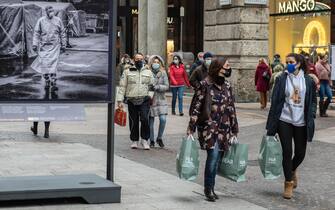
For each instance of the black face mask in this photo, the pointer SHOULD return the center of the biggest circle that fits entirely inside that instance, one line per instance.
(139, 64)
(227, 72)
(219, 80)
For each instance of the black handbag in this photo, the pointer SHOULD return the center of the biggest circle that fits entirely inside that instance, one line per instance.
(266, 76)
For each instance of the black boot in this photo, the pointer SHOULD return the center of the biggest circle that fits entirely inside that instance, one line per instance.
(152, 144)
(208, 193)
(34, 128)
(215, 195)
(46, 131)
(321, 108)
(325, 108)
(160, 143)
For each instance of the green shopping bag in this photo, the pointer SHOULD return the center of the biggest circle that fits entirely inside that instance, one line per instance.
(234, 163)
(188, 159)
(270, 157)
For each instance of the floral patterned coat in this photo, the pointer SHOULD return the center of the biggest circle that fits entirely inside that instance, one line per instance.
(222, 123)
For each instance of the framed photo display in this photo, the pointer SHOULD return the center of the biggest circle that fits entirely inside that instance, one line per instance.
(55, 52)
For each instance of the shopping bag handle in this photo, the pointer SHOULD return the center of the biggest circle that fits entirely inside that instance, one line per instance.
(190, 137)
(276, 137)
(233, 140)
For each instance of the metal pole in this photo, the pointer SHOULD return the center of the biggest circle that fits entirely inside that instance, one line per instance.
(182, 14)
(181, 34)
(112, 87)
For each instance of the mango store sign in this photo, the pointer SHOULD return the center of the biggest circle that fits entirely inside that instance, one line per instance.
(296, 6)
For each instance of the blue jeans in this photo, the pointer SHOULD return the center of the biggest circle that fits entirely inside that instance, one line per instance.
(214, 157)
(162, 123)
(325, 90)
(177, 91)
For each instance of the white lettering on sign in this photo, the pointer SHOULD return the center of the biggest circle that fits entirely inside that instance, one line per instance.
(170, 20)
(296, 6)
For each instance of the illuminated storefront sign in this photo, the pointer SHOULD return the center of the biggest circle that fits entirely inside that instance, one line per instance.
(296, 6)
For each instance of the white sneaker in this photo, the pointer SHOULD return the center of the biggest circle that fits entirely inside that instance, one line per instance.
(134, 145)
(145, 145)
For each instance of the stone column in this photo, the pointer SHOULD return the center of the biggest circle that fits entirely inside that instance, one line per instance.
(153, 27)
(157, 27)
(142, 26)
(239, 32)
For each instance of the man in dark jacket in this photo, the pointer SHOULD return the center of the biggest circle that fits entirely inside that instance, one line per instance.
(198, 62)
(201, 72)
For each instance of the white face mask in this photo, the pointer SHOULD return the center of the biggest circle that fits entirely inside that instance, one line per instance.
(176, 61)
(156, 66)
(208, 63)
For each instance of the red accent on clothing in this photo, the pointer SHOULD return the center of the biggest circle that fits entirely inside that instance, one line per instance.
(261, 84)
(178, 76)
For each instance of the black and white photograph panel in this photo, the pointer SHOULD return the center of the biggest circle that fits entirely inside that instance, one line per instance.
(54, 50)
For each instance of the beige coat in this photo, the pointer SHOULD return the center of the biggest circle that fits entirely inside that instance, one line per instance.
(135, 84)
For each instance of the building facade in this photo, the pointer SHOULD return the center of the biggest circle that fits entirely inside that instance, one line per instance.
(242, 30)
(247, 30)
(155, 26)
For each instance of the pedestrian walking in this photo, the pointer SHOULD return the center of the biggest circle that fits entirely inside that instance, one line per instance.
(178, 80)
(199, 74)
(49, 40)
(292, 114)
(215, 109)
(276, 62)
(311, 71)
(34, 129)
(124, 63)
(198, 62)
(324, 74)
(159, 105)
(135, 85)
(277, 68)
(262, 81)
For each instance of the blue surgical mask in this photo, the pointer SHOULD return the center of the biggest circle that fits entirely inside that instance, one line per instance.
(156, 66)
(291, 68)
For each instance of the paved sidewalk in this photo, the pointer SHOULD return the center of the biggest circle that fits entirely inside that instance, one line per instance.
(142, 187)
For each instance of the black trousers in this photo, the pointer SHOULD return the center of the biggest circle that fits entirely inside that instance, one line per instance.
(287, 132)
(137, 114)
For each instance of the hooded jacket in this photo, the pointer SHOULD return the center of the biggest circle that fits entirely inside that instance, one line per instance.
(159, 105)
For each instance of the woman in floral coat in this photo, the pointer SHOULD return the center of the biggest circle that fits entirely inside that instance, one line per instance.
(216, 98)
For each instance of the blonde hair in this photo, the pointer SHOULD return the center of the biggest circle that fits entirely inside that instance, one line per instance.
(261, 60)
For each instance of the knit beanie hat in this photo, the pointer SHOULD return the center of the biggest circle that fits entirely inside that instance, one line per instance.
(208, 55)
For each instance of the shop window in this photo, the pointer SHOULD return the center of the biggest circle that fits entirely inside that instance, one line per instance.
(307, 31)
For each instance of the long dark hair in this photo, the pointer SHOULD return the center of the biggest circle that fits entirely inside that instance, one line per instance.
(300, 59)
(215, 67)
